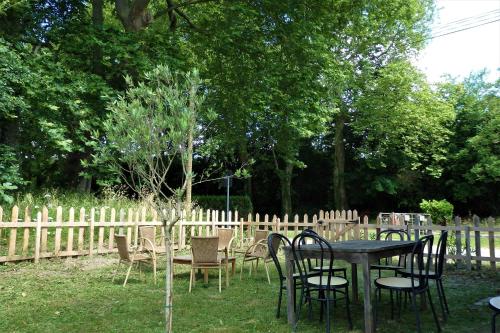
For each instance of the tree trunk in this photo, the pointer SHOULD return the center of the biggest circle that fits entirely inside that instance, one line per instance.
(244, 159)
(189, 173)
(286, 188)
(134, 15)
(98, 22)
(169, 273)
(339, 192)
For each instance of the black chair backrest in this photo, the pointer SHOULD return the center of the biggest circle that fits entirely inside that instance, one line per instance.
(274, 241)
(301, 245)
(394, 235)
(441, 251)
(420, 260)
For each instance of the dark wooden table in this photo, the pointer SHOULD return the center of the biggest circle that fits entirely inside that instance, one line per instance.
(364, 252)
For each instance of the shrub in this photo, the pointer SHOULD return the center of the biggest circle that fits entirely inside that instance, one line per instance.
(241, 203)
(441, 211)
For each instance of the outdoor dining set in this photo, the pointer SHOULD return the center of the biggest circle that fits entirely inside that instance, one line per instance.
(309, 271)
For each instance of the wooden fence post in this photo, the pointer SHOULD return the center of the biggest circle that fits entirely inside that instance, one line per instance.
(491, 238)
(467, 248)
(458, 238)
(365, 227)
(81, 230)
(59, 219)
(477, 241)
(417, 230)
(45, 220)
(69, 244)
(26, 237)
(38, 236)
(13, 232)
(91, 232)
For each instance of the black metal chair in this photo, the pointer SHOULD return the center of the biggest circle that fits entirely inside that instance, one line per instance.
(417, 282)
(274, 241)
(322, 282)
(495, 306)
(316, 268)
(437, 273)
(386, 265)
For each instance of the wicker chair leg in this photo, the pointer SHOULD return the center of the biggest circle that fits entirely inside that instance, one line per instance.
(191, 278)
(267, 272)
(128, 273)
(227, 274)
(241, 270)
(154, 271)
(220, 279)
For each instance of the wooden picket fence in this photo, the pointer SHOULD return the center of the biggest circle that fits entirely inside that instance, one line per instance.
(64, 234)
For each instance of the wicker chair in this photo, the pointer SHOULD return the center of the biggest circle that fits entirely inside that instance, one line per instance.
(226, 238)
(259, 236)
(258, 250)
(205, 256)
(134, 258)
(149, 241)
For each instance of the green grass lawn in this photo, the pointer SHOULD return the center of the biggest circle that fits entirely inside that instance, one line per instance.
(77, 295)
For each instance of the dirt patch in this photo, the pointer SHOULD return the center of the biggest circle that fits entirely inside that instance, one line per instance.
(89, 264)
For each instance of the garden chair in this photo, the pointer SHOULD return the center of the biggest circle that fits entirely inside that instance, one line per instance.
(259, 236)
(257, 251)
(205, 256)
(316, 268)
(318, 285)
(149, 241)
(417, 282)
(226, 238)
(274, 242)
(132, 258)
(437, 273)
(386, 264)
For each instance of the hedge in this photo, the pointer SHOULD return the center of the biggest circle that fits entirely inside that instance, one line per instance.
(241, 203)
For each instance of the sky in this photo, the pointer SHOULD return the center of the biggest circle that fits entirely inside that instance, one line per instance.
(462, 52)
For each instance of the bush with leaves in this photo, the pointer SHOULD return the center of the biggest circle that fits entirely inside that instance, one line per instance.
(441, 211)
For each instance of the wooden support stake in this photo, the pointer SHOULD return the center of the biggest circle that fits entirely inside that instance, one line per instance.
(458, 238)
(477, 241)
(491, 241)
(467, 248)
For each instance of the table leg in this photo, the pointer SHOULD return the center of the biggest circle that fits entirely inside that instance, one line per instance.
(290, 291)
(369, 326)
(354, 279)
(205, 275)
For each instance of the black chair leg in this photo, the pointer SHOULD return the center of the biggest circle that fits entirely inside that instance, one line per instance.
(415, 309)
(327, 315)
(279, 300)
(375, 310)
(440, 296)
(297, 313)
(444, 296)
(348, 309)
(392, 305)
(309, 307)
(433, 310)
(493, 322)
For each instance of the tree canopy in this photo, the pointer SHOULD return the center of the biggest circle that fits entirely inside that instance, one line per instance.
(318, 100)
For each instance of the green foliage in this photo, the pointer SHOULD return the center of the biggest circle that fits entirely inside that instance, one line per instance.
(10, 178)
(240, 203)
(441, 211)
(147, 130)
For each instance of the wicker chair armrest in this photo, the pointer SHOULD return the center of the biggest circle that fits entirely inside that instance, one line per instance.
(152, 252)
